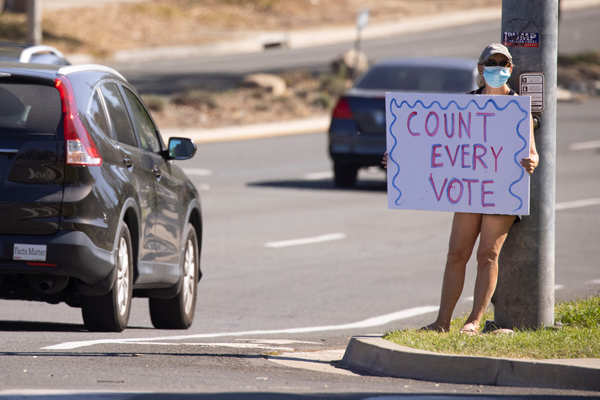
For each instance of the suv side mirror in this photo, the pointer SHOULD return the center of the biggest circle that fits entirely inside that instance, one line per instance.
(180, 149)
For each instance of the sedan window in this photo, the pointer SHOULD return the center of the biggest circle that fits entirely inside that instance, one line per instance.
(417, 79)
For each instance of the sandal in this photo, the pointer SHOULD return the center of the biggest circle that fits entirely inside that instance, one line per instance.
(470, 329)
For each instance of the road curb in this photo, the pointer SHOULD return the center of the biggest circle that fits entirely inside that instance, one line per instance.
(318, 124)
(382, 357)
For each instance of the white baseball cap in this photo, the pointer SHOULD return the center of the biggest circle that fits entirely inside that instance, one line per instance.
(494, 48)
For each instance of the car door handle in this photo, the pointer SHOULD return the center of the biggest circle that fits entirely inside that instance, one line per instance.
(127, 161)
(156, 171)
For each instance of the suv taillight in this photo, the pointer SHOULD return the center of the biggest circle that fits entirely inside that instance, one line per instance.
(81, 149)
(342, 110)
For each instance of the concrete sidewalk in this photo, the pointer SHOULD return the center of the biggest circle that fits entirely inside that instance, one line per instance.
(378, 356)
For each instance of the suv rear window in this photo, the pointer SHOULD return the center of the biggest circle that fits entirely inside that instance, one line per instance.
(417, 79)
(28, 108)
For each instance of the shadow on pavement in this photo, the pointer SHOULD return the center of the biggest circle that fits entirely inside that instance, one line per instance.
(365, 185)
(31, 326)
(168, 84)
(53, 354)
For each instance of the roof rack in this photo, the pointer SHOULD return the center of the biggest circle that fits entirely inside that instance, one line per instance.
(29, 52)
(89, 67)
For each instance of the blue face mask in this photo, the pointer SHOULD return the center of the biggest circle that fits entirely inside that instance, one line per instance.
(496, 76)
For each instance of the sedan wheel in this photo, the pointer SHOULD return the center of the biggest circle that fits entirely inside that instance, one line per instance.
(110, 313)
(178, 312)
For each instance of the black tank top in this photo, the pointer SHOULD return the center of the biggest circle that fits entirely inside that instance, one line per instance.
(480, 91)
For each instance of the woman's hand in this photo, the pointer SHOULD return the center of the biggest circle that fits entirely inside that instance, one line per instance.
(384, 160)
(530, 163)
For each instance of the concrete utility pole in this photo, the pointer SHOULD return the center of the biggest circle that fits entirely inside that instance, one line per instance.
(525, 294)
(34, 22)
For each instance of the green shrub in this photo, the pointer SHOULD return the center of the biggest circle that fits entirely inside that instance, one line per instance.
(581, 314)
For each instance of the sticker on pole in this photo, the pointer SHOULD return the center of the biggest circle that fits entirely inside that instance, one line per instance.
(521, 39)
(458, 152)
(532, 84)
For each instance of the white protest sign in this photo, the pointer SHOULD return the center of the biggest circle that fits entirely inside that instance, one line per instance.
(458, 152)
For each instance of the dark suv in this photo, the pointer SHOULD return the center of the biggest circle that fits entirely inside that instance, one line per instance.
(93, 211)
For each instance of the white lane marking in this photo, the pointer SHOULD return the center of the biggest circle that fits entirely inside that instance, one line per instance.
(203, 187)
(366, 323)
(590, 145)
(278, 341)
(594, 282)
(197, 171)
(318, 176)
(578, 203)
(559, 287)
(310, 240)
(470, 298)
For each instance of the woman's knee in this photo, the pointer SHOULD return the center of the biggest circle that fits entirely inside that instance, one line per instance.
(487, 256)
(459, 256)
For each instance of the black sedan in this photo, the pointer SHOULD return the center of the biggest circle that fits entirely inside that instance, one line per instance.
(357, 129)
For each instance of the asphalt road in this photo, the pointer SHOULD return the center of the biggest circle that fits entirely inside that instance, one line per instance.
(254, 298)
(578, 32)
(267, 307)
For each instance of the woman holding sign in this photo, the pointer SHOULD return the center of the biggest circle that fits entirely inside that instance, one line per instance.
(495, 67)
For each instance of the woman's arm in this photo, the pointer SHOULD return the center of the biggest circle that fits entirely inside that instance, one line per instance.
(530, 163)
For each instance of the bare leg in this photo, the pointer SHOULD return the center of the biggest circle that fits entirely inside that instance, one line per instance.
(494, 230)
(465, 228)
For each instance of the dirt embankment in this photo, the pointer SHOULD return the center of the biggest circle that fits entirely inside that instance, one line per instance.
(101, 31)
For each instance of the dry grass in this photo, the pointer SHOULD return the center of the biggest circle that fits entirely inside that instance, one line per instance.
(101, 31)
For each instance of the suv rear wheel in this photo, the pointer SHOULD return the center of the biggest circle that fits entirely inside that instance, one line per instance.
(110, 312)
(344, 175)
(178, 312)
